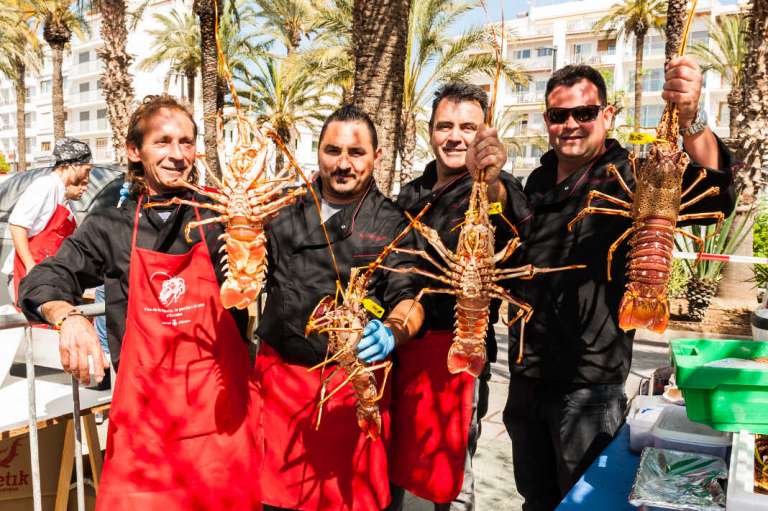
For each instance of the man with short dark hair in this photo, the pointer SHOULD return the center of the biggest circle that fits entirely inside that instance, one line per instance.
(43, 215)
(566, 401)
(332, 466)
(436, 414)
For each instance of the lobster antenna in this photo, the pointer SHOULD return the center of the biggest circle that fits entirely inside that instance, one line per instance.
(384, 253)
(497, 50)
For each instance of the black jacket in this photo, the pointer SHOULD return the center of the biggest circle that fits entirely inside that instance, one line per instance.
(301, 273)
(574, 335)
(448, 205)
(99, 252)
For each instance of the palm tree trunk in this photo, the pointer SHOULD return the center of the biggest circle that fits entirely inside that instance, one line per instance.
(166, 82)
(752, 120)
(734, 103)
(190, 75)
(285, 136)
(21, 128)
(380, 30)
(57, 92)
(408, 149)
(639, 45)
(676, 15)
(210, 80)
(116, 79)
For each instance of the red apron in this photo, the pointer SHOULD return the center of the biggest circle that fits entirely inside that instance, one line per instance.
(45, 243)
(334, 468)
(431, 415)
(182, 432)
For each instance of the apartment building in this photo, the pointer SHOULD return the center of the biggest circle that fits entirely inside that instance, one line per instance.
(553, 36)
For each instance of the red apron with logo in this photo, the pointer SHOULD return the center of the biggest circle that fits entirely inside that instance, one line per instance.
(182, 429)
(431, 414)
(333, 468)
(45, 243)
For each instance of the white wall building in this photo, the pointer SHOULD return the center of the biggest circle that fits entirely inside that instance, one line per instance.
(562, 34)
(84, 103)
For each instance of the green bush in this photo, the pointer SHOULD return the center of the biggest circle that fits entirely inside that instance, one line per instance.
(678, 279)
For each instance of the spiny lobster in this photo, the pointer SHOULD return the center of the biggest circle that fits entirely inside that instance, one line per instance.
(472, 277)
(655, 209)
(344, 323)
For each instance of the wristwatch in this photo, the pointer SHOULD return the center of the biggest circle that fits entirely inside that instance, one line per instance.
(698, 125)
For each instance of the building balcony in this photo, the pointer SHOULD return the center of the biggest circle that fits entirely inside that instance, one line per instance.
(535, 63)
(525, 98)
(92, 126)
(91, 96)
(580, 26)
(593, 59)
(86, 68)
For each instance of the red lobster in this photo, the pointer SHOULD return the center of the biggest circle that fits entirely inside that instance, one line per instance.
(655, 211)
(344, 324)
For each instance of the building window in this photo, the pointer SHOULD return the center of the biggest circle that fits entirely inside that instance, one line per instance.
(543, 52)
(45, 147)
(85, 116)
(101, 146)
(315, 144)
(723, 115)
(99, 84)
(607, 46)
(653, 80)
(83, 57)
(85, 87)
(45, 87)
(582, 49)
(29, 118)
(30, 92)
(522, 54)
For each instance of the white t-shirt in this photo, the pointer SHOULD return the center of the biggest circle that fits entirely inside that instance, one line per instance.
(35, 208)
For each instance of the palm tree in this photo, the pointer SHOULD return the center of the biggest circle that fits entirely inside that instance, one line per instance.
(208, 12)
(281, 98)
(287, 21)
(752, 120)
(676, 15)
(20, 53)
(116, 80)
(177, 41)
(60, 21)
(634, 17)
(726, 56)
(380, 31)
(433, 56)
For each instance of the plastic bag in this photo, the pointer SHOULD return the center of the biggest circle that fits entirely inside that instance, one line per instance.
(669, 479)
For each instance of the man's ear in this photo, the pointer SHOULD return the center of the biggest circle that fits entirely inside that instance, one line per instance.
(132, 152)
(608, 113)
(377, 157)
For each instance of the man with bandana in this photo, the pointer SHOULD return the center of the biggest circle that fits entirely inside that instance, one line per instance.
(43, 216)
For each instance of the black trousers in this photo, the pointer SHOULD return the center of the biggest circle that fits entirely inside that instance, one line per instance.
(557, 431)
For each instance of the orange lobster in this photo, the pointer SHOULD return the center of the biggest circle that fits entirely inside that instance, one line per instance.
(344, 324)
(655, 211)
(472, 277)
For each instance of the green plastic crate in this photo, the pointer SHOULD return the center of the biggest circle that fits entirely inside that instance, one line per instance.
(727, 399)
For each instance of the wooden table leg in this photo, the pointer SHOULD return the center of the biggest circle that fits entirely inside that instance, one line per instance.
(65, 470)
(94, 449)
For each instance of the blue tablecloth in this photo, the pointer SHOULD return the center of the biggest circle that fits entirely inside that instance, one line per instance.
(608, 481)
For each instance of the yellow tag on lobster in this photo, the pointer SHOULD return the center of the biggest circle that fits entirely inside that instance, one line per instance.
(641, 138)
(373, 307)
(494, 208)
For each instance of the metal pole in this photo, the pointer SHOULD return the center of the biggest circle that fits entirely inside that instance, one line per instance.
(554, 58)
(78, 444)
(37, 498)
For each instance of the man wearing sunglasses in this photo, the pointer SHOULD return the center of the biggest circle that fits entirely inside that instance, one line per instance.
(567, 400)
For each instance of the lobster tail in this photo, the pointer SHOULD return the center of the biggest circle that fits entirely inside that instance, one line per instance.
(460, 359)
(246, 265)
(638, 311)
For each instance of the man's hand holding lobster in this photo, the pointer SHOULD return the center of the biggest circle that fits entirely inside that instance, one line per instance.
(488, 152)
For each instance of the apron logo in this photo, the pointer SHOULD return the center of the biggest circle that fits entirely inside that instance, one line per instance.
(173, 288)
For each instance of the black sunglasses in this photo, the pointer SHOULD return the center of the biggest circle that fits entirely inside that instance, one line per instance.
(586, 113)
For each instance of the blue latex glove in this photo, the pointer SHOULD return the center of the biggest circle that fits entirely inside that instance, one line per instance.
(378, 341)
(125, 191)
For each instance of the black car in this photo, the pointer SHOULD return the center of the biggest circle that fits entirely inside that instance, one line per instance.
(103, 192)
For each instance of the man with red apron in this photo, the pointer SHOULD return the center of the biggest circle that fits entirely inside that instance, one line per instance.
(435, 414)
(184, 424)
(43, 217)
(333, 465)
